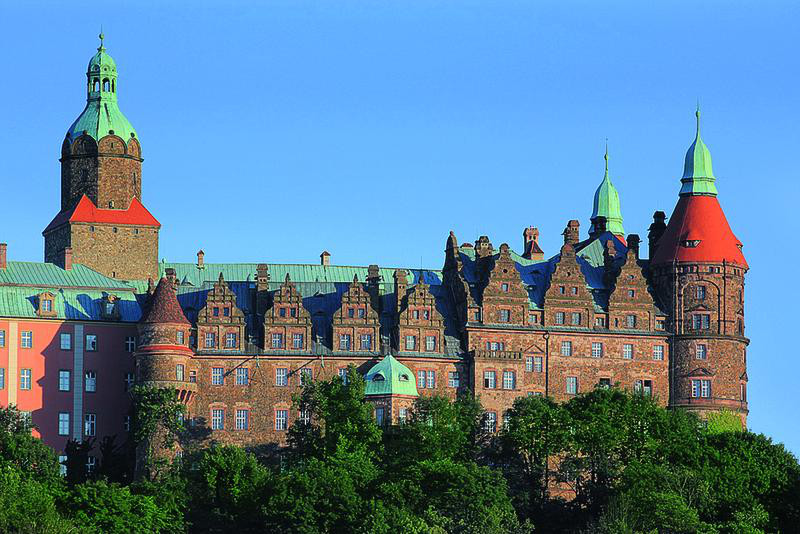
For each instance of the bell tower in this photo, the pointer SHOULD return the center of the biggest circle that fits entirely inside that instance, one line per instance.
(102, 218)
(698, 270)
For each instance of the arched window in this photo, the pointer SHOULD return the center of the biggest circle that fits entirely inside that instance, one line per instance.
(96, 85)
(106, 85)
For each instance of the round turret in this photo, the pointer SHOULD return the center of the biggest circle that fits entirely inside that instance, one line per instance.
(606, 204)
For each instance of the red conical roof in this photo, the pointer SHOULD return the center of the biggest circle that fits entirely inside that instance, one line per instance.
(698, 221)
(163, 306)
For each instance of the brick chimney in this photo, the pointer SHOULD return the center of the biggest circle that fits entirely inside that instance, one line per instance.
(572, 233)
(68, 259)
(3, 251)
(655, 231)
(633, 244)
(170, 275)
(200, 256)
(530, 241)
(325, 258)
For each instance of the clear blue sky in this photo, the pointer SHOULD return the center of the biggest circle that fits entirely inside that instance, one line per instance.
(274, 130)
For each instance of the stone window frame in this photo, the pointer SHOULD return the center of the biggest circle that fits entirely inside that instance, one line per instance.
(277, 340)
(430, 347)
(701, 388)
(628, 351)
(490, 379)
(62, 337)
(576, 387)
(295, 344)
(213, 409)
(453, 379)
(361, 345)
(282, 377)
(566, 344)
(538, 364)
(513, 375)
(281, 419)
(46, 304)
(241, 410)
(597, 348)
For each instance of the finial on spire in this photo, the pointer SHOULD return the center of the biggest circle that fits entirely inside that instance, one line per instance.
(697, 114)
(101, 36)
(606, 156)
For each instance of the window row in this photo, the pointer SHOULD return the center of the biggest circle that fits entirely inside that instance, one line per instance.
(279, 341)
(430, 343)
(598, 350)
(642, 387)
(64, 380)
(365, 342)
(490, 380)
(89, 424)
(231, 340)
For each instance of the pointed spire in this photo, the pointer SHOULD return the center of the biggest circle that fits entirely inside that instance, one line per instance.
(606, 204)
(287, 280)
(698, 176)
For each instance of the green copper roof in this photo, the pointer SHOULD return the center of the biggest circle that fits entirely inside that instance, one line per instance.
(698, 177)
(101, 115)
(28, 273)
(390, 377)
(70, 304)
(606, 204)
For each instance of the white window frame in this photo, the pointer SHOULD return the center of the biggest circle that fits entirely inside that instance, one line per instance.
(453, 380)
(91, 343)
(90, 381)
(66, 341)
(231, 340)
(25, 379)
(430, 343)
(130, 378)
(627, 351)
(90, 424)
(218, 419)
(597, 349)
(489, 380)
(130, 344)
(658, 352)
(242, 376)
(411, 342)
(26, 339)
(217, 376)
(528, 364)
(242, 419)
(572, 385)
(509, 380)
(297, 341)
(538, 364)
(566, 348)
(281, 420)
(64, 380)
(281, 376)
(63, 423)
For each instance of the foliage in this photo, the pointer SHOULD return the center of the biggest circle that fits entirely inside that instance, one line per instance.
(27, 505)
(20, 450)
(157, 423)
(723, 421)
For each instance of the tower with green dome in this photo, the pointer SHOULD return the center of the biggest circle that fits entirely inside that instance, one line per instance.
(101, 186)
(606, 204)
(698, 176)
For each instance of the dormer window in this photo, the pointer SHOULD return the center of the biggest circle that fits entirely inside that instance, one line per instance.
(690, 243)
(378, 378)
(47, 305)
(404, 378)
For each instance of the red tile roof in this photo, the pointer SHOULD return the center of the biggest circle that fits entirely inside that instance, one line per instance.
(85, 211)
(163, 306)
(699, 218)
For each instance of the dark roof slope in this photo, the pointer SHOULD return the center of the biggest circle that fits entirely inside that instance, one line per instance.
(163, 306)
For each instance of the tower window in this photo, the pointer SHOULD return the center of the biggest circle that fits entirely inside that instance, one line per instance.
(700, 292)
(106, 85)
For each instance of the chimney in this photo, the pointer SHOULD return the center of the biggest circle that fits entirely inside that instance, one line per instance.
(3, 250)
(655, 231)
(200, 256)
(572, 232)
(633, 244)
(68, 259)
(483, 247)
(531, 249)
(325, 258)
(169, 272)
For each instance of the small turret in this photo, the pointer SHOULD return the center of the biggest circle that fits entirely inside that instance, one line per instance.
(607, 205)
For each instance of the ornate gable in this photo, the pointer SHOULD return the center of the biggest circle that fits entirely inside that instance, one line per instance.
(420, 326)
(505, 299)
(356, 325)
(287, 323)
(567, 300)
(454, 279)
(630, 304)
(220, 324)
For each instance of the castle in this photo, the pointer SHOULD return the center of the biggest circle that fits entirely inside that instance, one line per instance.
(236, 341)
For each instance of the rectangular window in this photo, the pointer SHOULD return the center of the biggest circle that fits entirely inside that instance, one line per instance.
(600, 321)
(351, 312)
(217, 376)
(277, 341)
(489, 379)
(658, 352)
(282, 312)
(242, 419)
(63, 424)
(661, 324)
(343, 375)
(126, 424)
(559, 317)
(226, 312)
(2, 338)
(411, 342)
(89, 424)
(91, 464)
(242, 376)
(701, 388)
(281, 376)
(130, 344)
(379, 415)
(2, 378)
(216, 311)
(366, 341)
(305, 376)
(597, 350)
(180, 337)
(509, 380)
(91, 342)
(193, 377)
(504, 288)
(505, 316)
(605, 383)
(490, 422)
(26, 339)
(529, 363)
(231, 340)
(179, 368)
(576, 318)
(403, 417)
(62, 465)
(217, 419)
(701, 293)
(426, 314)
(66, 341)
(281, 419)
(701, 351)
(344, 342)
(422, 377)
(25, 379)
(477, 315)
(538, 364)
(566, 348)
(453, 379)
(362, 313)
(91, 381)
(572, 385)
(643, 387)
(430, 343)
(47, 305)
(297, 341)
(630, 321)
(627, 351)
(64, 380)
(304, 416)
(431, 379)
(210, 340)
(293, 312)
(701, 321)
(129, 378)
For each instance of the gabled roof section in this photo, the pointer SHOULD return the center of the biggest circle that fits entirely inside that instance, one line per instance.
(69, 303)
(86, 212)
(163, 306)
(390, 377)
(39, 274)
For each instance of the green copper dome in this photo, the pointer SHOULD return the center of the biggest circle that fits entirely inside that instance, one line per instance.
(390, 377)
(101, 116)
(698, 177)
(606, 204)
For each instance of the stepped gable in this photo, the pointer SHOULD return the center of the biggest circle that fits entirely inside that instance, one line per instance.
(163, 306)
(504, 292)
(568, 291)
(629, 290)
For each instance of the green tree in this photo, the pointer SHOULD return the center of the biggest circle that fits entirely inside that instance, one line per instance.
(157, 424)
(19, 449)
(28, 505)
